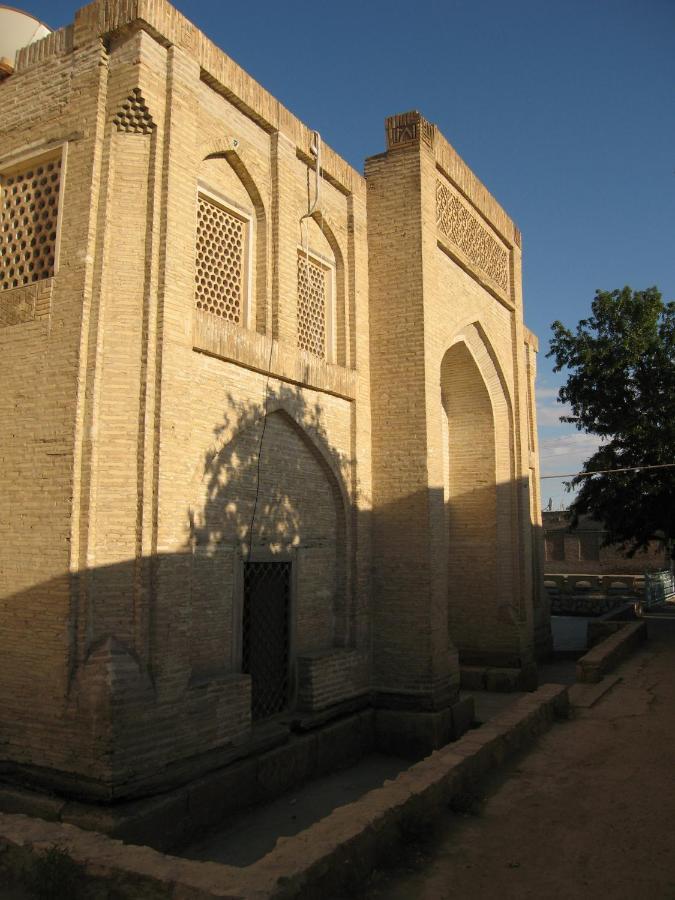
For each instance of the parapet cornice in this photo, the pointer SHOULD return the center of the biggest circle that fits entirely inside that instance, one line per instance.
(410, 128)
(531, 338)
(103, 18)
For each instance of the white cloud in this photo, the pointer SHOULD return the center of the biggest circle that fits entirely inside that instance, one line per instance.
(576, 442)
(566, 453)
(545, 393)
(550, 415)
(548, 408)
(562, 449)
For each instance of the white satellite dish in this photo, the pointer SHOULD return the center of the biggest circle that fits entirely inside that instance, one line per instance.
(18, 29)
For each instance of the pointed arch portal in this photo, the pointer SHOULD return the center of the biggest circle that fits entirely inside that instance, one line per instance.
(471, 497)
(480, 503)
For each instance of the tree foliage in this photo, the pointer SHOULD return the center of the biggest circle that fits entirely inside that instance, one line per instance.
(620, 386)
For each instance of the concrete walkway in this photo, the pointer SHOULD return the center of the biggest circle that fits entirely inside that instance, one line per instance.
(588, 813)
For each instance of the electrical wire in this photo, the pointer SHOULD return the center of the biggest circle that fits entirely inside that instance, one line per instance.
(312, 207)
(610, 471)
(260, 446)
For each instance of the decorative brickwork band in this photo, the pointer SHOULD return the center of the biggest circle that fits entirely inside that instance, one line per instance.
(409, 128)
(134, 116)
(463, 229)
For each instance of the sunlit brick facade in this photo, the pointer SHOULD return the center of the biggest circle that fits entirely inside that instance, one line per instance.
(218, 400)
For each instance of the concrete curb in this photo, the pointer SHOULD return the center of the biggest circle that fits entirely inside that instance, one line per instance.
(331, 855)
(585, 695)
(608, 653)
(171, 818)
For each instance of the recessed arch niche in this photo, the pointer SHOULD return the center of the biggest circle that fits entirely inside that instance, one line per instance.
(477, 446)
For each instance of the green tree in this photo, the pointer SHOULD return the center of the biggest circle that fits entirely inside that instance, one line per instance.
(620, 386)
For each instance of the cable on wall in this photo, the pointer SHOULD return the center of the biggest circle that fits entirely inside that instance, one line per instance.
(260, 446)
(312, 207)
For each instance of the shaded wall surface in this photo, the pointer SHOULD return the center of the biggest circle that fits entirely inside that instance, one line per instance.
(209, 372)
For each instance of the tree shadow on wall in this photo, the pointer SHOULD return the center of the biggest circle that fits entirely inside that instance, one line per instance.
(90, 654)
(271, 477)
(273, 486)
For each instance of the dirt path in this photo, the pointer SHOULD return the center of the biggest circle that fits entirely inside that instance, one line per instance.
(588, 813)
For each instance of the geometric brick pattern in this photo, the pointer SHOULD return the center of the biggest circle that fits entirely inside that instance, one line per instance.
(465, 231)
(134, 116)
(28, 216)
(311, 306)
(221, 239)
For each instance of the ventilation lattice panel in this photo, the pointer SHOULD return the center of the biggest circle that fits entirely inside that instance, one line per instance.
(221, 242)
(28, 220)
(312, 284)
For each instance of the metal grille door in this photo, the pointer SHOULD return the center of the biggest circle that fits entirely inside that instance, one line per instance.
(266, 632)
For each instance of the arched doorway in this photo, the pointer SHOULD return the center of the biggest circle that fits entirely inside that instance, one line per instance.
(272, 586)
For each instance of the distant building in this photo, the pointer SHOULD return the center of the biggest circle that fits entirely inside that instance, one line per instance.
(581, 550)
(582, 576)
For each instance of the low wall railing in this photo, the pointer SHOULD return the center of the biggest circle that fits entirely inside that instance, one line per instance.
(659, 588)
(593, 595)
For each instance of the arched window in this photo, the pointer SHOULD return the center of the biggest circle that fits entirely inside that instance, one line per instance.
(230, 265)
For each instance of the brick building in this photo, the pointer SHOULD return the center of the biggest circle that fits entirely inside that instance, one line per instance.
(267, 458)
(583, 576)
(582, 550)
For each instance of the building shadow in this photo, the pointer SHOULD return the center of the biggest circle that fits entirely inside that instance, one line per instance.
(110, 699)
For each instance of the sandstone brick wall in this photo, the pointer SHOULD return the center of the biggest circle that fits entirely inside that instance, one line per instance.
(149, 414)
(49, 106)
(326, 678)
(445, 271)
(542, 607)
(137, 417)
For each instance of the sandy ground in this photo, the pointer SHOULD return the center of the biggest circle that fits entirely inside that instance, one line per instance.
(586, 813)
(589, 812)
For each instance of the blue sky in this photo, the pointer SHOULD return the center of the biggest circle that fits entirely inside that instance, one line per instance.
(565, 110)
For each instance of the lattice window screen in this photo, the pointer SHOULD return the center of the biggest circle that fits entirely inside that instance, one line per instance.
(221, 258)
(313, 288)
(28, 223)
